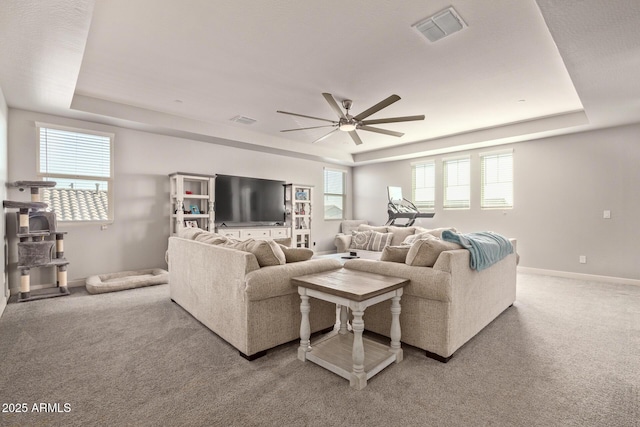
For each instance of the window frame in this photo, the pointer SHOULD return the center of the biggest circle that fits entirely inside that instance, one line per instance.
(421, 205)
(446, 202)
(343, 195)
(483, 156)
(53, 176)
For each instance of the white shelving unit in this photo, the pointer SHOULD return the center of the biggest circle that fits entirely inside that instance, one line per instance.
(191, 198)
(298, 205)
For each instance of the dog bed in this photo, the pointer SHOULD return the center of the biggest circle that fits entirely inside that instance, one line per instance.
(126, 280)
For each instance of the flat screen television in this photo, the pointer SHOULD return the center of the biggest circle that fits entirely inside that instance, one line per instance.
(242, 200)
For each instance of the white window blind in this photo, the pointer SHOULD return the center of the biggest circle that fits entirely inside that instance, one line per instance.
(423, 184)
(334, 194)
(80, 162)
(497, 180)
(457, 178)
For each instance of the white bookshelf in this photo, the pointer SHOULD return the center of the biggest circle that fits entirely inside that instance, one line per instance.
(298, 206)
(191, 198)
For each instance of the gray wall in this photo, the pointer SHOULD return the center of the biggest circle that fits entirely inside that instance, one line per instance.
(4, 285)
(562, 186)
(138, 237)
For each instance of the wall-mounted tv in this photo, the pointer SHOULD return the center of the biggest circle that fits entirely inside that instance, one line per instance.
(244, 201)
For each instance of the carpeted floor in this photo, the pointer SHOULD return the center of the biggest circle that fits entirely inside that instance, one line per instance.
(566, 354)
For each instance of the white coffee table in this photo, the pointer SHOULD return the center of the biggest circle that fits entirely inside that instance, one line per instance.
(350, 355)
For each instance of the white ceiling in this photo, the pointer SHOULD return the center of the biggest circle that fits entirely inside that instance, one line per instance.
(521, 70)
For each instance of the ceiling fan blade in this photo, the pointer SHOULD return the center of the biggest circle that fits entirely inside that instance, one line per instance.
(323, 137)
(355, 137)
(392, 120)
(379, 106)
(308, 117)
(378, 130)
(334, 105)
(314, 127)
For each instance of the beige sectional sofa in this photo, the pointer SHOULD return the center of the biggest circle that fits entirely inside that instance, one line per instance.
(251, 307)
(446, 303)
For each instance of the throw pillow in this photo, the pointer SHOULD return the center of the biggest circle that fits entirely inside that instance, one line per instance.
(410, 240)
(360, 239)
(189, 232)
(395, 253)
(296, 254)
(378, 241)
(436, 231)
(267, 252)
(211, 238)
(400, 233)
(424, 253)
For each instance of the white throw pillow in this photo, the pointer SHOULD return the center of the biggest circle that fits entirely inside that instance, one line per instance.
(378, 241)
(360, 239)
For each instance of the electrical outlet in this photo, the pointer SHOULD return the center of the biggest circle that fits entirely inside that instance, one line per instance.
(607, 214)
(103, 227)
(583, 259)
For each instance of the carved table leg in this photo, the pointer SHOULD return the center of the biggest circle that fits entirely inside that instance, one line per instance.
(343, 320)
(305, 327)
(395, 328)
(358, 375)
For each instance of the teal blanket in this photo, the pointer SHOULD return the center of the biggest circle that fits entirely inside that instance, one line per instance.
(486, 247)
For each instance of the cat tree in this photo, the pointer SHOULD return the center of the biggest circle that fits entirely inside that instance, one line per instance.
(37, 232)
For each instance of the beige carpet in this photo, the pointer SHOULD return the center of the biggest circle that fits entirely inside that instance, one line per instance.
(566, 354)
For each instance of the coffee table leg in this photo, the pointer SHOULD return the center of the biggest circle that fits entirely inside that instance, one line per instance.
(358, 375)
(305, 327)
(395, 329)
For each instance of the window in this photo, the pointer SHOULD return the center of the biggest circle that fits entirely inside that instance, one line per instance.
(80, 162)
(423, 184)
(497, 180)
(334, 194)
(457, 187)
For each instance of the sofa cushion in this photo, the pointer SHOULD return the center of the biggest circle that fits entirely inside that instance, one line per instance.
(296, 254)
(267, 252)
(360, 239)
(378, 241)
(425, 252)
(346, 227)
(379, 229)
(395, 253)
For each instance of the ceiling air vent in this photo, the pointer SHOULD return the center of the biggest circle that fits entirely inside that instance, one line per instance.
(243, 120)
(440, 25)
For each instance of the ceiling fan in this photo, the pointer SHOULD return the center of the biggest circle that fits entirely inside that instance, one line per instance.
(348, 123)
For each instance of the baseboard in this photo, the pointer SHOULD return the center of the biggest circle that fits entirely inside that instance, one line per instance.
(3, 304)
(579, 276)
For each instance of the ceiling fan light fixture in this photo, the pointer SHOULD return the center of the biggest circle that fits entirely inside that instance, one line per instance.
(347, 127)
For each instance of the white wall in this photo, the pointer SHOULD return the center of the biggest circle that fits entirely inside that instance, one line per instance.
(138, 237)
(4, 285)
(562, 186)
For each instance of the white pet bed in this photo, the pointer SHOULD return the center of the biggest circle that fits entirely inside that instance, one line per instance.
(126, 280)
